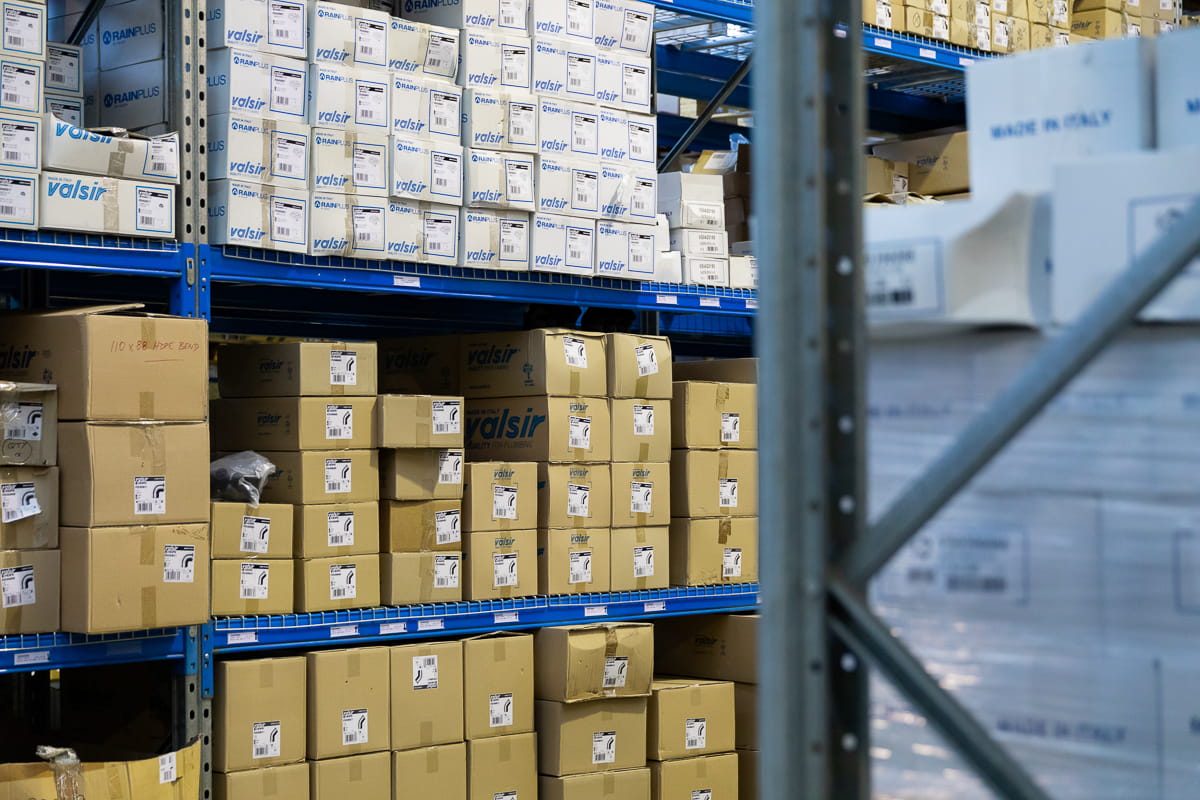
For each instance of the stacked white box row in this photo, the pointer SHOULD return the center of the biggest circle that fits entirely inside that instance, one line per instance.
(694, 208)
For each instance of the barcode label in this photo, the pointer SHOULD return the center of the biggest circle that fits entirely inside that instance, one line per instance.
(440, 235)
(444, 113)
(702, 794)
(579, 247)
(579, 567)
(514, 62)
(584, 189)
(285, 21)
(641, 497)
(167, 772)
(521, 122)
(370, 103)
(164, 159)
(647, 363)
(643, 420)
(17, 586)
(504, 568)
(266, 739)
(23, 421)
(290, 156)
(641, 141)
(20, 144)
(579, 434)
(447, 417)
(21, 28)
(339, 422)
(731, 427)
(287, 220)
(514, 240)
(578, 500)
(575, 352)
(695, 733)
(18, 501)
(447, 526)
(343, 367)
(579, 18)
(447, 172)
(150, 495)
(155, 209)
(425, 672)
(370, 41)
(604, 747)
(643, 562)
(441, 53)
(635, 31)
(504, 502)
(339, 528)
(500, 710)
(445, 572)
(254, 581)
(728, 492)
(450, 466)
(368, 166)
(287, 90)
(616, 670)
(635, 86)
(179, 563)
(354, 726)
(581, 74)
(338, 477)
(518, 181)
(342, 584)
(731, 563)
(584, 135)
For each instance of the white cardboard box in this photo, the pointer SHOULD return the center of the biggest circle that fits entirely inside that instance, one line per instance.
(624, 25)
(404, 230)
(287, 28)
(668, 267)
(500, 120)
(344, 97)
(692, 201)
(258, 215)
(614, 136)
(564, 69)
(21, 85)
(643, 140)
(616, 188)
(369, 218)
(490, 239)
(329, 227)
(426, 109)
(353, 162)
(1177, 89)
(510, 16)
(107, 205)
(417, 48)
(563, 244)
(426, 171)
(623, 81)
(743, 272)
(20, 204)
(21, 142)
(68, 109)
(347, 35)
(704, 271)
(130, 33)
(23, 29)
(64, 69)
(495, 60)
(133, 97)
(249, 24)
(240, 147)
(700, 242)
(243, 81)
(565, 19)
(499, 180)
(565, 186)
(69, 149)
(439, 234)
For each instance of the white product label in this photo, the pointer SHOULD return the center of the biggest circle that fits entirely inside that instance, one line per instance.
(904, 277)
(702, 794)
(1002, 35)
(368, 229)
(575, 351)
(504, 567)
(339, 528)
(21, 29)
(641, 142)
(577, 500)
(445, 572)
(635, 31)
(450, 465)
(354, 726)
(728, 492)
(339, 422)
(982, 565)
(155, 209)
(616, 669)
(287, 90)
(504, 502)
(518, 181)
(447, 173)
(164, 158)
(643, 562)
(500, 710)
(584, 134)
(999, 6)
(441, 54)
(287, 220)
(167, 772)
(342, 584)
(17, 586)
(370, 41)
(266, 739)
(18, 86)
(255, 580)
(504, 795)
(731, 563)
(62, 69)
(337, 475)
(641, 252)
(23, 421)
(580, 432)
(642, 198)
(580, 570)
(647, 363)
(150, 495)
(179, 563)
(579, 247)
(512, 14)
(704, 215)
(425, 672)
(584, 186)
(343, 367)
(521, 122)
(581, 73)
(370, 104)
(368, 166)
(448, 526)
(447, 417)
(641, 498)
(604, 747)
(731, 427)
(514, 240)
(444, 113)
(635, 84)
(695, 733)
(290, 156)
(1060, 11)
(18, 501)
(579, 18)
(20, 144)
(514, 65)
(439, 236)
(643, 420)
(256, 535)
(285, 23)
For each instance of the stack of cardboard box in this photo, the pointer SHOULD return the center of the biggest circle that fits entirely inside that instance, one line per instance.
(694, 205)
(498, 716)
(690, 741)
(429, 757)
(1111, 19)
(252, 568)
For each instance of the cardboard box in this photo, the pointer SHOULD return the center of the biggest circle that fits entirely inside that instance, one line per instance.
(29, 413)
(336, 529)
(349, 702)
(588, 662)
(423, 49)
(366, 777)
(133, 473)
(422, 474)
(72, 149)
(323, 476)
(348, 97)
(714, 483)
(547, 361)
(29, 589)
(556, 429)
(419, 365)
(274, 28)
(500, 564)
(414, 421)
(106, 781)
(412, 578)
(640, 559)
(420, 526)
(718, 646)
(705, 552)
(112, 366)
(574, 561)
(21, 84)
(258, 215)
(498, 685)
(743, 272)
(641, 494)
(425, 108)
(714, 415)
(350, 161)
(626, 784)
(245, 147)
(748, 766)
(688, 718)
(110, 101)
(325, 584)
(565, 245)
(134, 578)
(439, 771)
(578, 738)
(502, 767)
(705, 271)
(288, 780)
(710, 776)
(348, 34)
(574, 495)
(427, 694)
(500, 496)
(499, 180)
(745, 697)
(638, 366)
(500, 120)
(494, 240)
(252, 587)
(129, 208)
(428, 171)
(293, 423)
(936, 164)
(240, 530)
(884, 176)
(30, 499)
(1103, 24)
(692, 201)
(297, 369)
(258, 713)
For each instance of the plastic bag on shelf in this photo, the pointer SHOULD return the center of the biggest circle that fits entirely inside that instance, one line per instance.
(240, 477)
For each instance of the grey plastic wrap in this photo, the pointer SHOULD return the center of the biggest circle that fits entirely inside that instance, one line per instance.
(240, 477)
(68, 774)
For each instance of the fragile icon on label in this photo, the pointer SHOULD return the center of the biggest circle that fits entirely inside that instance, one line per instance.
(643, 562)
(604, 747)
(265, 739)
(254, 581)
(447, 417)
(450, 465)
(504, 502)
(179, 563)
(339, 422)
(731, 427)
(150, 495)
(504, 566)
(445, 572)
(731, 563)
(577, 500)
(18, 501)
(256, 534)
(339, 528)
(17, 586)
(575, 351)
(647, 360)
(580, 566)
(448, 526)
(343, 367)
(354, 726)
(641, 498)
(342, 585)
(500, 710)
(425, 672)
(695, 733)
(728, 492)
(616, 669)
(579, 433)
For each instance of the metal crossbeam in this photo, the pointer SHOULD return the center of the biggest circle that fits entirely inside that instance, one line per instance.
(90, 12)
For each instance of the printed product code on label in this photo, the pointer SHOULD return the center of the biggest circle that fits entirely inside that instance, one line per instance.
(731, 427)
(339, 422)
(579, 432)
(17, 586)
(166, 768)
(339, 528)
(647, 360)
(440, 235)
(577, 500)
(695, 733)
(643, 562)
(255, 581)
(616, 669)
(342, 585)
(256, 534)
(447, 417)
(450, 464)
(728, 492)
(23, 421)
(520, 122)
(285, 23)
(604, 747)
(19, 144)
(368, 166)
(702, 794)
(448, 526)
(291, 156)
(155, 210)
(337, 475)
(150, 495)
(445, 572)
(500, 710)
(504, 796)
(504, 502)
(179, 563)
(18, 501)
(575, 351)
(354, 726)
(641, 498)
(443, 113)
(368, 225)
(441, 53)
(731, 563)
(514, 240)
(425, 672)
(643, 420)
(343, 367)
(580, 566)
(504, 566)
(266, 739)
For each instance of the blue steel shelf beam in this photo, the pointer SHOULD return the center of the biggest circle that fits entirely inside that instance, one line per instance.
(43, 651)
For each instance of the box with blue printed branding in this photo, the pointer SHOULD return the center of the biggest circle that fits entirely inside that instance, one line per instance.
(420, 49)
(271, 26)
(71, 149)
(624, 25)
(350, 161)
(22, 141)
(494, 240)
(258, 215)
(500, 564)
(547, 361)
(563, 244)
(130, 33)
(499, 496)
(342, 34)
(404, 219)
(107, 205)
(248, 147)
(507, 16)
(565, 19)
(499, 180)
(574, 495)
(426, 171)
(624, 81)
(425, 108)
(556, 429)
(574, 561)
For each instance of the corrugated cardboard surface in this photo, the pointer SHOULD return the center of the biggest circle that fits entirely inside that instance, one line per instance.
(426, 364)
(702, 415)
(317, 525)
(101, 462)
(936, 164)
(285, 781)
(23, 489)
(408, 420)
(498, 676)
(30, 431)
(697, 477)
(714, 776)
(683, 708)
(508, 487)
(641, 430)
(745, 696)
(498, 766)
(365, 777)
(419, 474)
(637, 486)
(719, 646)
(588, 662)
(577, 738)
(113, 578)
(411, 578)
(413, 526)
(548, 361)
(111, 366)
(639, 366)
(269, 525)
(723, 370)
(484, 559)
(356, 680)
(314, 591)
(437, 773)
(705, 552)
(427, 694)
(233, 586)
(305, 369)
(293, 423)
(539, 429)
(263, 690)
(585, 549)
(37, 611)
(114, 780)
(630, 557)
(563, 488)
(300, 477)
(626, 784)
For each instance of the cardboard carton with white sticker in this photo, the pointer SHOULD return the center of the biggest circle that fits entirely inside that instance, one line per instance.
(349, 702)
(714, 483)
(573, 561)
(600, 736)
(293, 423)
(587, 662)
(500, 496)
(297, 369)
(417, 421)
(258, 713)
(28, 508)
(322, 476)
(337, 529)
(252, 586)
(414, 578)
(688, 718)
(497, 685)
(420, 526)
(640, 559)
(639, 366)
(574, 495)
(328, 584)
(240, 530)
(641, 494)
(704, 778)
(29, 591)
(641, 430)
(424, 474)
(707, 552)
(547, 361)
(500, 564)
(714, 415)
(427, 694)
(556, 429)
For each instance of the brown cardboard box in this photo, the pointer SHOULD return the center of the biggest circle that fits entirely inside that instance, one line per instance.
(499, 496)
(293, 423)
(114, 780)
(1019, 31)
(1102, 24)
(30, 424)
(588, 662)
(365, 777)
(640, 558)
(881, 13)
(502, 768)
(297, 369)
(714, 483)
(29, 499)
(323, 476)
(133, 578)
(689, 778)
(748, 774)
(258, 713)
(420, 525)
(720, 370)
(287, 780)
(575, 561)
(1158, 10)
(883, 176)
(705, 552)
(325, 584)
(558, 429)
(1017, 9)
(500, 564)
(934, 26)
(745, 703)
(641, 430)
(427, 694)
(411, 578)
(1039, 36)
(109, 365)
(337, 529)
(641, 495)
(424, 365)
(29, 588)
(577, 738)
(937, 164)
(574, 495)
(242, 530)
(626, 784)
(1001, 34)
(962, 33)
(689, 717)
(639, 366)
(497, 685)
(349, 702)
(133, 473)
(412, 420)
(253, 587)
(548, 361)
(713, 415)
(422, 474)
(719, 646)
(431, 772)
